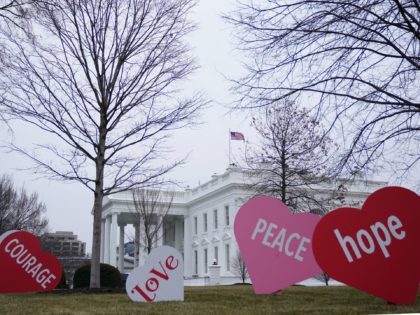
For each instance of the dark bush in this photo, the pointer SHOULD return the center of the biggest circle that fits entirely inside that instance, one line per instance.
(110, 277)
(63, 281)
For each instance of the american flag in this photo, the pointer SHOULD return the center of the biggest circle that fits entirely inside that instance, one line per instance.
(236, 135)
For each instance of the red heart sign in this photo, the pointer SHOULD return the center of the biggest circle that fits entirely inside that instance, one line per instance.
(24, 267)
(376, 249)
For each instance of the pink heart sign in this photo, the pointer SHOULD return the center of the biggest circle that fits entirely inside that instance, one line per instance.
(275, 244)
(160, 279)
(24, 267)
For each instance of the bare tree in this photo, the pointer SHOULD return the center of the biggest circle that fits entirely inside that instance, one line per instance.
(238, 267)
(20, 210)
(103, 79)
(292, 157)
(358, 62)
(323, 277)
(12, 12)
(150, 209)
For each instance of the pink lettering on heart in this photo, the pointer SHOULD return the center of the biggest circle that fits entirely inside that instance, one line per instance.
(24, 267)
(275, 244)
(374, 249)
(160, 279)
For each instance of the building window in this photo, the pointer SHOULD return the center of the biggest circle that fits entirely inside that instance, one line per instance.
(215, 221)
(216, 254)
(196, 262)
(227, 257)
(227, 218)
(206, 263)
(205, 222)
(195, 225)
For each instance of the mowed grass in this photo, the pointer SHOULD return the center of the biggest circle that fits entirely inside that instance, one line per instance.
(217, 300)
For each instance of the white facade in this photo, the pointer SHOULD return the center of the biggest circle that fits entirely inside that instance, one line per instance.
(200, 222)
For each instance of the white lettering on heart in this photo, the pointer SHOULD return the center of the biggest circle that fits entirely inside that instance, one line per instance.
(381, 233)
(29, 263)
(273, 237)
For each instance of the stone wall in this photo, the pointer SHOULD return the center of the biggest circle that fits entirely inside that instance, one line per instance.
(70, 265)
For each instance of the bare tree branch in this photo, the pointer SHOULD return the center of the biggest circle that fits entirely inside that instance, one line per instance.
(150, 209)
(357, 61)
(102, 78)
(238, 267)
(20, 210)
(293, 156)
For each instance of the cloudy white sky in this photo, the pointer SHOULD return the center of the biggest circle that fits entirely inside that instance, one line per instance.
(68, 205)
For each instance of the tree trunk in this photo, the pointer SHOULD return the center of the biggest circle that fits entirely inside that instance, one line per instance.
(283, 171)
(149, 246)
(95, 280)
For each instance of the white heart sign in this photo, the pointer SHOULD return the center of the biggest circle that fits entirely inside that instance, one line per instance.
(160, 279)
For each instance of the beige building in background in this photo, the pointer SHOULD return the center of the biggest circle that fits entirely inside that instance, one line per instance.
(63, 244)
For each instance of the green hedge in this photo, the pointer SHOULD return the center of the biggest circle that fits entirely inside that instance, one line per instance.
(63, 283)
(110, 277)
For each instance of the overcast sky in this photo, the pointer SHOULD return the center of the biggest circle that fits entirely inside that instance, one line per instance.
(69, 205)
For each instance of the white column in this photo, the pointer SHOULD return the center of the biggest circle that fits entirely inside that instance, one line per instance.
(179, 234)
(142, 248)
(136, 244)
(159, 241)
(113, 240)
(188, 258)
(102, 240)
(106, 245)
(121, 249)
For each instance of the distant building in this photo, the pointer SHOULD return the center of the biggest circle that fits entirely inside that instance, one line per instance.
(63, 244)
(70, 251)
(200, 222)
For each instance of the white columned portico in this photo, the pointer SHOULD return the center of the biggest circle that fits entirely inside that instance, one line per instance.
(113, 240)
(187, 247)
(121, 249)
(107, 230)
(136, 244)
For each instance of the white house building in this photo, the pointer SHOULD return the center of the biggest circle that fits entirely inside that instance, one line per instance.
(200, 222)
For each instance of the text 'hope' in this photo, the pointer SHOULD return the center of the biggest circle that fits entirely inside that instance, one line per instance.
(381, 233)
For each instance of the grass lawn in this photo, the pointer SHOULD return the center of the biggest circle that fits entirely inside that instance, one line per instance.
(217, 300)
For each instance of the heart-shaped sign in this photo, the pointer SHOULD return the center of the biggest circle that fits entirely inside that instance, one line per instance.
(375, 250)
(24, 267)
(160, 279)
(275, 244)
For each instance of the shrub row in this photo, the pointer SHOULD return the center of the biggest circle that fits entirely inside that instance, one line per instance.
(109, 275)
